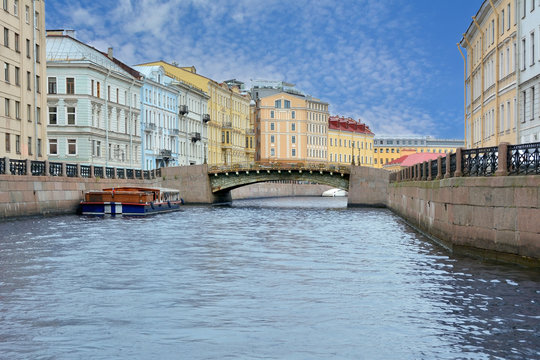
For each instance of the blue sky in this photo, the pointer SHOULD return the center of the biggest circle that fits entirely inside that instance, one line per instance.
(392, 63)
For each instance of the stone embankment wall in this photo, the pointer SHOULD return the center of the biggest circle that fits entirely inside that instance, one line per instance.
(496, 217)
(26, 195)
(266, 190)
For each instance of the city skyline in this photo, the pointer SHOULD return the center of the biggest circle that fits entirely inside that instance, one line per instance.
(399, 71)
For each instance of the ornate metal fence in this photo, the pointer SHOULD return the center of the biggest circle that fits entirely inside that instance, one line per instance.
(17, 167)
(480, 162)
(71, 170)
(55, 169)
(37, 168)
(2, 166)
(524, 159)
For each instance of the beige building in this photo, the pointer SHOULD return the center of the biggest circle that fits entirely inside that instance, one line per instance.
(228, 115)
(291, 127)
(350, 142)
(491, 110)
(23, 93)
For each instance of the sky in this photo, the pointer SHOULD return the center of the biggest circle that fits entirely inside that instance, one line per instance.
(394, 64)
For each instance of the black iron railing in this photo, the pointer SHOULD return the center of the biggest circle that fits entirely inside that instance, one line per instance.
(98, 171)
(71, 170)
(480, 162)
(38, 168)
(524, 159)
(55, 169)
(434, 169)
(109, 172)
(86, 171)
(453, 164)
(120, 173)
(17, 167)
(138, 174)
(2, 166)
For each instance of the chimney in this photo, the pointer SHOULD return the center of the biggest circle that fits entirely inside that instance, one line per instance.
(110, 53)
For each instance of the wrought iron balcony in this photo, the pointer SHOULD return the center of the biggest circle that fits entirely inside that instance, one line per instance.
(175, 131)
(150, 127)
(206, 118)
(196, 136)
(183, 110)
(227, 125)
(165, 154)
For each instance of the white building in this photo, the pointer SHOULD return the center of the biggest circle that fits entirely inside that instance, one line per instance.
(93, 105)
(23, 96)
(159, 119)
(529, 77)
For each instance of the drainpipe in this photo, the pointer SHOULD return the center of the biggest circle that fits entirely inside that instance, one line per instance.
(36, 132)
(482, 80)
(497, 74)
(105, 88)
(518, 72)
(464, 93)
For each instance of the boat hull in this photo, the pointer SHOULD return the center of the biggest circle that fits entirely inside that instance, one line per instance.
(111, 208)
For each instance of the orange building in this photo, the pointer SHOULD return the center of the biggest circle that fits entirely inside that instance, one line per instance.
(291, 128)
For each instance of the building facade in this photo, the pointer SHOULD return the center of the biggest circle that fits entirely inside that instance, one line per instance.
(227, 114)
(290, 127)
(23, 96)
(349, 142)
(389, 148)
(93, 105)
(529, 77)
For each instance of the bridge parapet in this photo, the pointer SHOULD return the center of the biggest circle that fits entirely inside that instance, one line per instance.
(300, 166)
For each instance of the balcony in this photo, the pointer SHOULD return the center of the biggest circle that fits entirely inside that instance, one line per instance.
(206, 118)
(183, 110)
(250, 132)
(165, 154)
(227, 125)
(196, 136)
(150, 127)
(175, 132)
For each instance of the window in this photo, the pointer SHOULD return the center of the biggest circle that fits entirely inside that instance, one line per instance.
(37, 53)
(6, 5)
(16, 7)
(17, 76)
(53, 147)
(53, 115)
(72, 146)
(39, 148)
(272, 126)
(109, 92)
(272, 114)
(524, 96)
(272, 139)
(508, 14)
(52, 85)
(293, 152)
(532, 103)
(28, 80)
(28, 48)
(70, 85)
(293, 127)
(29, 112)
(98, 89)
(6, 72)
(277, 104)
(6, 110)
(27, 14)
(293, 139)
(532, 49)
(502, 21)
(17, 110)
(18, 144)
(6, 37)
(38, 115)
(29, 145)
(38, 81)
(17, 43)
(8, 144)
(36, 20)
(286, 104)
(293, 114)
(272, 152)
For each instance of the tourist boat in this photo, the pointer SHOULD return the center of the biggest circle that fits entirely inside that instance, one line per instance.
(334, 193)
(130, 201)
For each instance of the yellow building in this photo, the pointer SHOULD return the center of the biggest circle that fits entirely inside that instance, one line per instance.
(389, 148)
(349, 142)
(291, 127)
(229, 127)
(23, 129)
(490, 75)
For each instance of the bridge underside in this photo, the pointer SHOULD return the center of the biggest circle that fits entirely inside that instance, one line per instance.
(225, 182)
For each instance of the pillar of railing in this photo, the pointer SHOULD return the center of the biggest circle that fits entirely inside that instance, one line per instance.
(78, 170)
(92, 171)
(64, 173)
(502, 166)
(417, 172)
(439, 168)
(398, 176)
(114, 176)
(459, 162)
(447, 174)
(429, 175)
(47, 172)
(28, 170)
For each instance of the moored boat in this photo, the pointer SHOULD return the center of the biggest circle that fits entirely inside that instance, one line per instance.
(130, 201)
(334, 193)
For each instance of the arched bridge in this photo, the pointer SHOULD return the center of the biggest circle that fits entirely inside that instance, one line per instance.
(226, 178)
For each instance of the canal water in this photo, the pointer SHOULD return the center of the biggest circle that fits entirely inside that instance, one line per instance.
(289, 278)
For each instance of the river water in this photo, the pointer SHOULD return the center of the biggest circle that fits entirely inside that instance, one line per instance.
(289, 278)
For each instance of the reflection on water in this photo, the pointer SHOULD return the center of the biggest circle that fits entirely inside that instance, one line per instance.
(295, 278)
